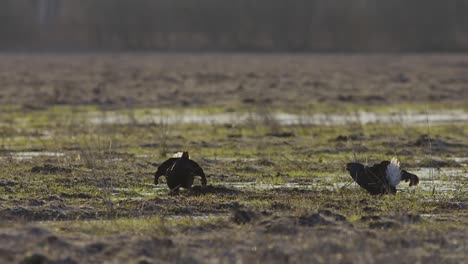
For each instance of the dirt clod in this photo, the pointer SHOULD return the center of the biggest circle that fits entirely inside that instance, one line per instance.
(7, 183)
(313, 219)
(243, 216)
(35, 258)
(384, 224)
(280, 134)
(95, 247)
(49, 168)
(350, 137)
(211, 189)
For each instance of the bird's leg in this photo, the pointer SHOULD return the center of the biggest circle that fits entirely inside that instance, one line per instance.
(156, 179)
(175, 190)
(203, 180)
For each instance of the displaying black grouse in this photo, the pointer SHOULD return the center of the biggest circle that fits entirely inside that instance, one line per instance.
(180, 172)
(381, 178)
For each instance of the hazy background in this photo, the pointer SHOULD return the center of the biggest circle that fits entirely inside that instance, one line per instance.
(235, 25)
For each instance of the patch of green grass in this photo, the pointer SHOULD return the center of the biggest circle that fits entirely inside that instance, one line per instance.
(142, 226)
(112, 163)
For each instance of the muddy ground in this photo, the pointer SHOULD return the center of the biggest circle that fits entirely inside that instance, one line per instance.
(81, 136)
(303, 80)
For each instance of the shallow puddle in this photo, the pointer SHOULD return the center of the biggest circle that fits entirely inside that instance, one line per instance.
(461, 160)
(268, 186)
(435, 174)
(431, 179)
(362, 117)
(28, 155)
(194, 217)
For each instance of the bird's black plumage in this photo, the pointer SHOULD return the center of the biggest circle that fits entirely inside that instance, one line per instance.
(180, 172)
(370, 178)
(375, 180)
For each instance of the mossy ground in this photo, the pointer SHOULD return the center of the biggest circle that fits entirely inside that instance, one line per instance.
(94, 181)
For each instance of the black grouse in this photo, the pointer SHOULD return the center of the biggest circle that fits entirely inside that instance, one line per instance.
(381, 178)
(180, 172)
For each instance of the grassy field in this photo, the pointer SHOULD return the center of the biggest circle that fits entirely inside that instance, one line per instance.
(76, 170)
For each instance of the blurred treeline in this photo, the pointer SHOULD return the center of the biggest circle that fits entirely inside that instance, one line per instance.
(235, 25)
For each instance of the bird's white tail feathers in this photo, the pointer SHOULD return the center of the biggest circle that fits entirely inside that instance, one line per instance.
(178, 154)
(393, 172)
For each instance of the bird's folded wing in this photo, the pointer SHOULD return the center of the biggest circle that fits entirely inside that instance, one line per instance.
(373, 181)
(196, 169)
(167, 164)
